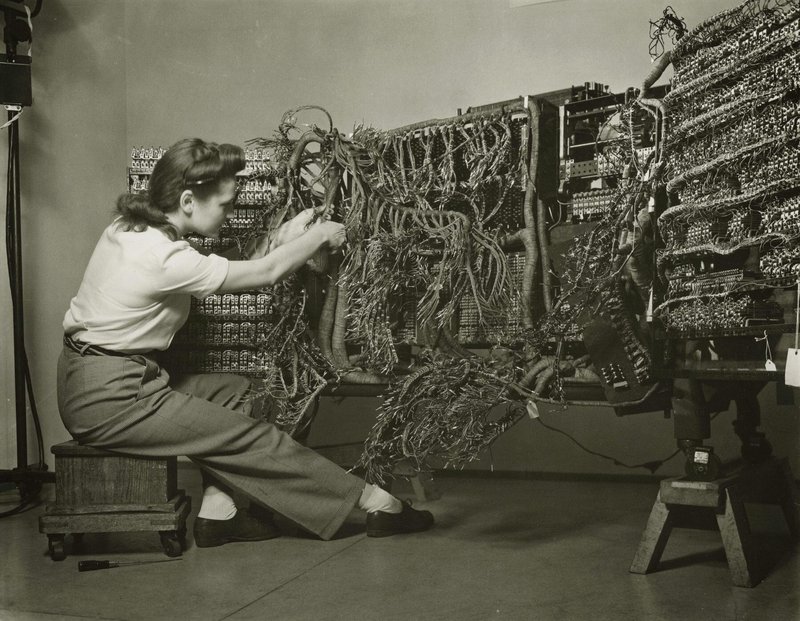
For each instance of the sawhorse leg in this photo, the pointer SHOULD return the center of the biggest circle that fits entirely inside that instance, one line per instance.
(740, 549)
(654, 539)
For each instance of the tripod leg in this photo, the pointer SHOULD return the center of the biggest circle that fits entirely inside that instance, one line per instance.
(755, 446)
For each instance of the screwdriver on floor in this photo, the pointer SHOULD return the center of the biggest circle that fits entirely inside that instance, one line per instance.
(94, 565)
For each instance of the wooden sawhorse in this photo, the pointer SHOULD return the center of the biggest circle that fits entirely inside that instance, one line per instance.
(769, 482)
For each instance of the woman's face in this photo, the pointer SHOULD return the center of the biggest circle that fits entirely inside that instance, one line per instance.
(209, 214)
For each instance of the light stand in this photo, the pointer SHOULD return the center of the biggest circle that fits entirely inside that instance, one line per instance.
(15, 92)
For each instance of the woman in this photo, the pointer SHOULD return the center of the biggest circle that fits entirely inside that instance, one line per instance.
(135, 295)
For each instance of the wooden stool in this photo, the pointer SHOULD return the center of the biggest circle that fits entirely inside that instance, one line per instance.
(679, 500)
(103, 492)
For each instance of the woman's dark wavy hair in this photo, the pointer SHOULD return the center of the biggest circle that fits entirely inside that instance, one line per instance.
(190, 164)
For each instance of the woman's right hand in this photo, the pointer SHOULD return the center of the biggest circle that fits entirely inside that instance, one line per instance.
(292, 228)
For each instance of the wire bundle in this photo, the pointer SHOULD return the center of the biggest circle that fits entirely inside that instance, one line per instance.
(732, 154)
(448, 409)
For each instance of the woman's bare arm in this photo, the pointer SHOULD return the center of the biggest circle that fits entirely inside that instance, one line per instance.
(283, 260)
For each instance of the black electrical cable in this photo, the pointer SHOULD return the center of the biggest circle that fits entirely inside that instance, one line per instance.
(652, 466)
(24, 505)
(34, 411)
(12, 200)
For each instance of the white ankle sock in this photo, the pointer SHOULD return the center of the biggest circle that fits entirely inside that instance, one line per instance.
(376, 499)
(216, 505)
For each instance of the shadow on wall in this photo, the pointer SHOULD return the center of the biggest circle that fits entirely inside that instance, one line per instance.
(72, 170)
(72, 94)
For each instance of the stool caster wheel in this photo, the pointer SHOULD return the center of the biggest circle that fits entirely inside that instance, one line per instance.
(55, 546)
(170, 541)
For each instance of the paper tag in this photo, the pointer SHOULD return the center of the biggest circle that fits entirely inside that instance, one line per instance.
(533, 409)
(770, 366)
(792, 375)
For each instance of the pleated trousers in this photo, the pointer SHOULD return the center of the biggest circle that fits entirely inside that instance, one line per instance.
(131, 405)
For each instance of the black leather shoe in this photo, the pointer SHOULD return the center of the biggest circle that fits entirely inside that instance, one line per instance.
(241, 527)
(409, 520)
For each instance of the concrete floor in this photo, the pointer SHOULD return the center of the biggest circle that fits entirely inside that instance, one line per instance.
(502, 549)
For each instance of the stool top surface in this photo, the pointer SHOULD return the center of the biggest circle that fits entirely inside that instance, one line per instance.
(75, 448)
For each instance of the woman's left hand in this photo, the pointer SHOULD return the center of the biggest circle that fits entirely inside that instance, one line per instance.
(286, 232)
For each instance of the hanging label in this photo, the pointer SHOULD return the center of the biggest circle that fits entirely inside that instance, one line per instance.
(768, 364)
(792, 374)
(533, 409)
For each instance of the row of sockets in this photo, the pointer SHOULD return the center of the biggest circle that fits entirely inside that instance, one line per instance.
(256, 192)
(698, 233)
(713, 283)
(251, 191)
(245, 217)
(769, 122)
(758, 174)
(246, 304)
(780, 72)
(213, 244)
(778, 82)
(146, 157)
(222, 361)
(782, 216)
(740, 226)
(590, 205)
(683, 270)
(780, 262)
(785, 164)
(755, 33)
(717, 313)
(609, 164)
(743, 223)
(221, 333)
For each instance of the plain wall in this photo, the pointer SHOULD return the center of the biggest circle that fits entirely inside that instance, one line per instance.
(72, 165)
(110, 76)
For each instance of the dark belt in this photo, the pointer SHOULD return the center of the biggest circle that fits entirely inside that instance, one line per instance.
(93, 350)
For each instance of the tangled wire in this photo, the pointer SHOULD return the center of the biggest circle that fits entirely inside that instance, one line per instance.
(431, 212)
(669, 23)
